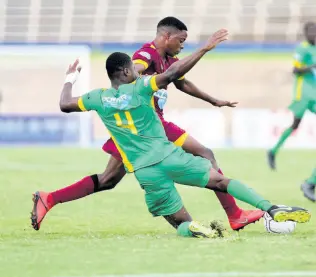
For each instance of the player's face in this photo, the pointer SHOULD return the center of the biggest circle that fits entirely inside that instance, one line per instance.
(132, 73)
(175, 42)
(311, 34)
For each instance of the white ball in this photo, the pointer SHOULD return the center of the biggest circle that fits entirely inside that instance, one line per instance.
(272, 226)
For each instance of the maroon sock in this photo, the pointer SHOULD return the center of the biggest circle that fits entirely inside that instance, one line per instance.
(228, 202)
(75, 191)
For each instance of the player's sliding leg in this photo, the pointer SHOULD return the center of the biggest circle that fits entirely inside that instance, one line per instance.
(238, 218)
(272, 153)
(186, 227)
(248, 195)
(163, 199)
(44, 201)
(308, 187)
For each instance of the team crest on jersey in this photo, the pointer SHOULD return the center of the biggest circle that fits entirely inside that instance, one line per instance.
(120, 103)
(145, 54)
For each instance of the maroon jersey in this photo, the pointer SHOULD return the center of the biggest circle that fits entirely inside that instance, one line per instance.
(148, 56)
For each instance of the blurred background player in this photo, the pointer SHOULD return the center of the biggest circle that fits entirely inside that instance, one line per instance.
(155, 57)
(304, 87)
(308, 187)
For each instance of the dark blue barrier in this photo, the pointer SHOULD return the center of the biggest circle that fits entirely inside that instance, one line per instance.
(225, 47)
(39, 129)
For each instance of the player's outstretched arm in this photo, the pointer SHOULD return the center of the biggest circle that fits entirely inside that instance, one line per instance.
(67, 102)
(179, 68)
(189, 88)
(303, 69)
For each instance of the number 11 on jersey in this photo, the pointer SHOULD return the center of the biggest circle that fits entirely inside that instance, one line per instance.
(130, 123)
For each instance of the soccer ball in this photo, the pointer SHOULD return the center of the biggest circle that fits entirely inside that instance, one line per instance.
(272, 226)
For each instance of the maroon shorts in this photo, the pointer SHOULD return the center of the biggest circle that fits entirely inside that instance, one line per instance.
(173, 132)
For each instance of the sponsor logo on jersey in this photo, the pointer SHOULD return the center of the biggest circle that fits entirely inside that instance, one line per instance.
(119, 103)
(145, 54)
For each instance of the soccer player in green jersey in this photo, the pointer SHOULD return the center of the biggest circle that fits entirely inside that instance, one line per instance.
(127, 111)
(153, 57)
(308, 187)
(304, 87)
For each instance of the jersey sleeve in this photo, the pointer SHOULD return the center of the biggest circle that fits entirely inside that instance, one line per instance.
(146, 85)
(143, 56)
(299, 56)
(175, 59)
(90, 101)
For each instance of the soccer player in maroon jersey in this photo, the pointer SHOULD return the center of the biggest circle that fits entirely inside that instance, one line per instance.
(153, 57)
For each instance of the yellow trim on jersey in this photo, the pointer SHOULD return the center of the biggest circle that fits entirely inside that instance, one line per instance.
(181, 140)
(298, 64)
(153, 83)
(299, 86)
(130, 123)
(181, 78)
(305, 43)
(81, 105)
(125, 160)
(139, 61)
(152, 46)
(152, 102)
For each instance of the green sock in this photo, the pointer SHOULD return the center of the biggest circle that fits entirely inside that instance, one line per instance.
(183, 229)
(248, 195)
(312, 179)
(287, 132)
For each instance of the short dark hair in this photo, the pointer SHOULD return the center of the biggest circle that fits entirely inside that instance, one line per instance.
(307, 25)
(117, 61)
(171, 21)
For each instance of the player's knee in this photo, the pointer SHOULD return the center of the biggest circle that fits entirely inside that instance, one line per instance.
(217, 182)
(222, 185)
(107, 181)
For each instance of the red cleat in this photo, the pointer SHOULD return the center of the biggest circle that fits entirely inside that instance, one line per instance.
(40, 208)
(245, 218)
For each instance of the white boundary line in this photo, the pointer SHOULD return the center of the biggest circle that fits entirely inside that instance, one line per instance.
(220, 274)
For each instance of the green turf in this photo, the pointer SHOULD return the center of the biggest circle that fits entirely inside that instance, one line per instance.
(112, 232)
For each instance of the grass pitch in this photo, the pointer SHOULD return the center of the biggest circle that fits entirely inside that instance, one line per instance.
(112, 232)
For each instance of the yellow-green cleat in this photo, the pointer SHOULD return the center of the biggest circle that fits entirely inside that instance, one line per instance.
(282, 213)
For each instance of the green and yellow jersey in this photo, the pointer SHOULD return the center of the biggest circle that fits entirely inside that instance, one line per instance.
(130, 117)
(305, 84)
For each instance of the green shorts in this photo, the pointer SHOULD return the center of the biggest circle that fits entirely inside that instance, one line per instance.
(304, 98)
(299, 107)
(161, 195)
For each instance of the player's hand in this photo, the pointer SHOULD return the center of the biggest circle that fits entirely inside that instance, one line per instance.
(73, 68)
(73, 72)
(218, 37)
(221, 103)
